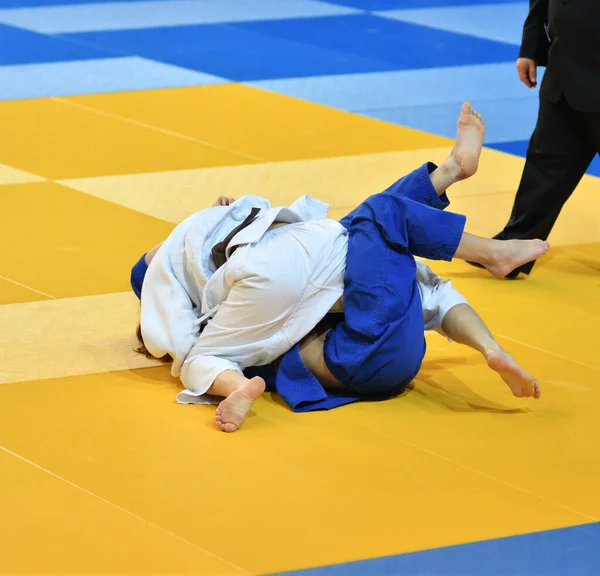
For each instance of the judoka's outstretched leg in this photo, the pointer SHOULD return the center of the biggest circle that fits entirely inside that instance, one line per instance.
(408, 216)
(427, 186)
(378, 347)
(464, 157)
(460, 323)
(463, 325)
(497, 256)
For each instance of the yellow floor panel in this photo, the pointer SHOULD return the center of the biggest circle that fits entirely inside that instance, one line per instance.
(488, 213)
(71, 244)
(52, 527)
(57, 140)
(86, 335)
(344, 181)
(102, 471)
(585, 254)
(464, 413)
(341, 181)
(262, 124)
(233, 494)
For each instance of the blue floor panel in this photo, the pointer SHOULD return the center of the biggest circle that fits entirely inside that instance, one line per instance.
(38, 3)
(23, 47)
(94, 77)
(166, 13)
(404, 45)
(518, 147)
(571, 551)
(407, 4)
(491, 21)
(232, 51)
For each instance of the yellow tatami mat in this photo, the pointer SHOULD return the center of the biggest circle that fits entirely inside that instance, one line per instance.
(104, 472)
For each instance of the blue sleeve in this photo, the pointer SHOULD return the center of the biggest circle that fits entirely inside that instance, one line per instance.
(138, 273)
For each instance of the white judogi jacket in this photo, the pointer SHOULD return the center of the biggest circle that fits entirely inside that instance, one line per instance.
(182, 286)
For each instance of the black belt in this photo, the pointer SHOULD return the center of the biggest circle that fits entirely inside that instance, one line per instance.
(219, 251)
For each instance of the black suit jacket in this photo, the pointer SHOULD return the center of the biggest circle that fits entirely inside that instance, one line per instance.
(572, 55)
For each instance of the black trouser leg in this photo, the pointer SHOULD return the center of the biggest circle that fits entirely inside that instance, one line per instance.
(560, 151)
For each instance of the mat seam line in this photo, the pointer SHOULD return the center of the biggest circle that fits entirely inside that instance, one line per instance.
(126, 119)
(570, 248)
(548, 352)
(27, 287)
(121, 509)
(480, 473)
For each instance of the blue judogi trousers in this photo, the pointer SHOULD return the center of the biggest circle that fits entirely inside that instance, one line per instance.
(379, 346)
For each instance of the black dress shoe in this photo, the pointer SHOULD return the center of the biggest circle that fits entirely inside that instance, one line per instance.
(510, 276)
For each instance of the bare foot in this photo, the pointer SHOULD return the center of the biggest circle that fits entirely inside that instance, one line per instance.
(510, 254)
(464, 158)
(233, 410)
(522, 384)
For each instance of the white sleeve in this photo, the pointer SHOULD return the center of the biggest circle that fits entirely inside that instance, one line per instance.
(201, 371)
(438, 297)
(168, 319)
(266, 286)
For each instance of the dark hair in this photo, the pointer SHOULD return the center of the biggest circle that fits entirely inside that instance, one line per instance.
(141, 349)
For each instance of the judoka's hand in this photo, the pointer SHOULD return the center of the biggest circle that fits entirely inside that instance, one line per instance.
(224, 201)
(527, 69)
